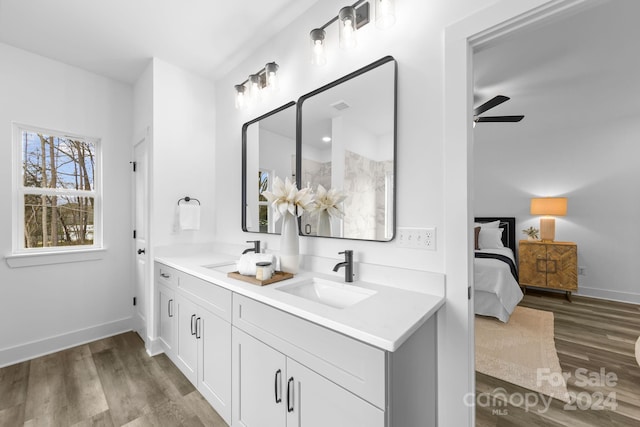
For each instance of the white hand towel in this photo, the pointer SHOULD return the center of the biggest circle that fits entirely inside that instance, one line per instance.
(247, 262)
(189, 215)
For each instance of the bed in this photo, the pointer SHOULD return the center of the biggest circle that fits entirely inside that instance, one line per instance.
(497, 292)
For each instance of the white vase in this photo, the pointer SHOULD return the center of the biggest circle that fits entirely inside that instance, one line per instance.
(289, 247)
(324, 224)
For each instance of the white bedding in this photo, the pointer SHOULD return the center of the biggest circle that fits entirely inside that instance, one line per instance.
(496, 291)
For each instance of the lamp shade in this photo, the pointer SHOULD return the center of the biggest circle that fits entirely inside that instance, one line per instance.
(554, 206)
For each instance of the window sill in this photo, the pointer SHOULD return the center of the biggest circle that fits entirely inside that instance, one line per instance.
(47, 258)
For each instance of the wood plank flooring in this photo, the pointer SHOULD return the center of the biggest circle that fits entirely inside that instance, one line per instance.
(110, 382)
(591, 334)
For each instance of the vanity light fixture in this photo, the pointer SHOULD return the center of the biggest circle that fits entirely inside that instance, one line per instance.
(350, 19)
(385, 13)
(250, 91)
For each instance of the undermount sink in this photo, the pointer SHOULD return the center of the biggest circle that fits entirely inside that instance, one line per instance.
(333, 294)
(226, 267)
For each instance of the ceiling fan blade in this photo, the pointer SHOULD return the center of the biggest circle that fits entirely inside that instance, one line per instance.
(496, 119)
(493, 102)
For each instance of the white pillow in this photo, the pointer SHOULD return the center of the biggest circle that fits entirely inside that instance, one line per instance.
(483, 225)
(490, 238)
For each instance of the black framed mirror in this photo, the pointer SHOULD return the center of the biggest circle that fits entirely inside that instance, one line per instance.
(346, 149)
(268, 150)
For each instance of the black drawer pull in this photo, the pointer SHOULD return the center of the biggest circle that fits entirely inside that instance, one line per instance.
(277, 385)
(290, 395)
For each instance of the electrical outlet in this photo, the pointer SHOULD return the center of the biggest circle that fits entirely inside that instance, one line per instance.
(417, 238)
(582, 270)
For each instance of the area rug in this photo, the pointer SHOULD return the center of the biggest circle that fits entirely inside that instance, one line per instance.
(638, 351)
(521, 351)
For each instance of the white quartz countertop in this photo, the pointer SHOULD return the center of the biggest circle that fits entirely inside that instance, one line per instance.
(384, 320)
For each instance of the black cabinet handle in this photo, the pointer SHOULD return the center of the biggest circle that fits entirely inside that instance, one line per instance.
(141, 251)
(193, 317)
(290, 395)
(278, 390)
(198, 329)
(166, 276)
(170, 307)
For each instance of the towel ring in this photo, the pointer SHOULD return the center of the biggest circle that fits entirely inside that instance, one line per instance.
(188, 199)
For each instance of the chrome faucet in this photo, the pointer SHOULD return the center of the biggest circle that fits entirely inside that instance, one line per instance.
(255, 248)
(347, 264)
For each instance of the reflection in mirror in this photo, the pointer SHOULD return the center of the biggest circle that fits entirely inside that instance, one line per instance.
(268, 150)
(346, 141)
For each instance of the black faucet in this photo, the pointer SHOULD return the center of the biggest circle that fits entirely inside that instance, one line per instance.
(255, 248)
(347, 264)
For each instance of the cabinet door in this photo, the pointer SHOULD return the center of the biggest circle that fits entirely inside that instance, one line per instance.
(314, 401)
(533, 264)
(167, 319)
(187, 347)
(214, 361)
(259, 383)
(562, 267)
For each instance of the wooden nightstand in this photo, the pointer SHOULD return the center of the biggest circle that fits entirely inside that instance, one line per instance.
(550, 265)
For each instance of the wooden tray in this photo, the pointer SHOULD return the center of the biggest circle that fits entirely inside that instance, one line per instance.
(276, 277)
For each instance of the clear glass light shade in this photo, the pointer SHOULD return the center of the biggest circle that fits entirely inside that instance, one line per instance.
(385, 13)
(240, 97)
(254, 89)
(318, 55)
(271, 72)
(347, 27)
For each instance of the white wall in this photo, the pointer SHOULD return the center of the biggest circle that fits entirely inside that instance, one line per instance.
(416, 41)
(183, 152)
(596, 168)
(44, 308)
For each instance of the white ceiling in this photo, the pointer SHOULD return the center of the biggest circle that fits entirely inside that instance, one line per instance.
(574, 70)
(116, 38)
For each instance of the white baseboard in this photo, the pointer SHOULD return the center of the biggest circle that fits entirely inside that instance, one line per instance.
(155, 347)
(629, 297)
(33, 349)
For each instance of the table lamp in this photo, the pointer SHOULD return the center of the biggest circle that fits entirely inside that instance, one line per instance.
(549, 207)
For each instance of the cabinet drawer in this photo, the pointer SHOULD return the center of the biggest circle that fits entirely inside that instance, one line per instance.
(166, 275)
(356, 366)
(211, 297)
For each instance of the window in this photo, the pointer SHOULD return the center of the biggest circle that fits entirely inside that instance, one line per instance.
(57, 202)
(264, 214)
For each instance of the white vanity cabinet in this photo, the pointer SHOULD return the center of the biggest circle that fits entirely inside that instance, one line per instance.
(274, 390)
(166, 284)
(262, 366)
(200, 343)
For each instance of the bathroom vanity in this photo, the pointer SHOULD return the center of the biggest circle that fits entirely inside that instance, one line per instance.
(281, 355)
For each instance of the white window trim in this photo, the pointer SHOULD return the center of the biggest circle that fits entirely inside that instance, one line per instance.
(40, 256)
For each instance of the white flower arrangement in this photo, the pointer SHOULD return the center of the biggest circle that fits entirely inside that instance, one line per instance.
(329, 201)
(286, 197)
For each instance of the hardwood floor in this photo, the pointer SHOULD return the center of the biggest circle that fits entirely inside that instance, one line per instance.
(111, 382)
(591, 334)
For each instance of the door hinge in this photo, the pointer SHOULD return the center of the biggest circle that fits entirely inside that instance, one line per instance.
(134, 301)
(134, 234)
(133, 165)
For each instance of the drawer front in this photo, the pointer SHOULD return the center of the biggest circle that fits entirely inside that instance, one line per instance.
(356, 366)
(211, 297)
(166, 275)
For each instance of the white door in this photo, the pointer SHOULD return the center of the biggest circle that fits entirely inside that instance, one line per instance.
(259, 383)
(214, 362)
(313, 401)
(186, 344)
(140, 234)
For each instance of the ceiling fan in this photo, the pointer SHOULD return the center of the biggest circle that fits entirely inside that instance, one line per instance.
(493, 102)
